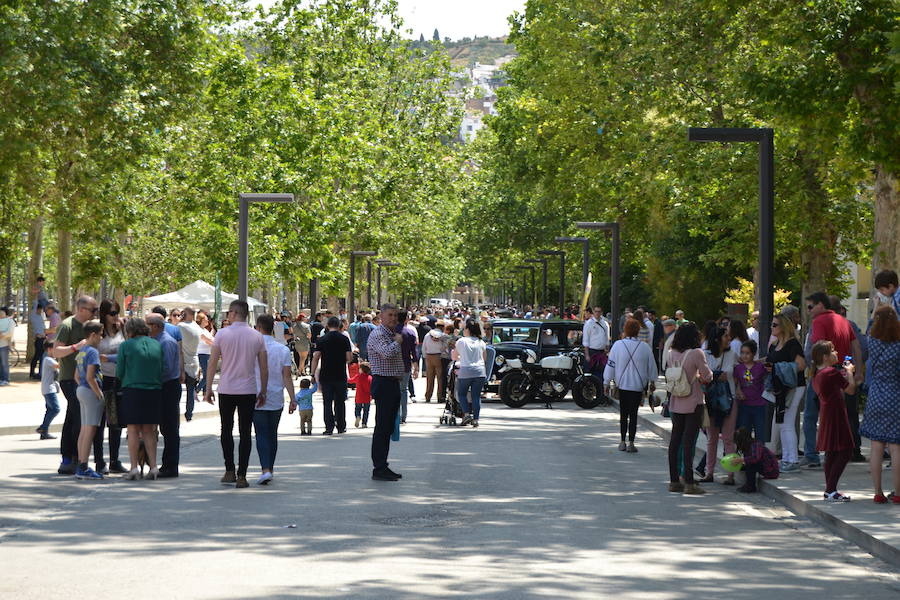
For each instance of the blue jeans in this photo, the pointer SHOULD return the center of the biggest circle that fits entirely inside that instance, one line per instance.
(754, 419)
(468, 392)
(204, 361)
(404, 394)
(52, 404)
(810, 425)
(362, 410)
(4, 363)
(265, 423)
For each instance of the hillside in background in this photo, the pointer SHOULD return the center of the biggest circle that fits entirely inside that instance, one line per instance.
(482, 50)
(467, 51)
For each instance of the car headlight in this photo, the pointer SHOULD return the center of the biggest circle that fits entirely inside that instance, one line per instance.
(500, 360)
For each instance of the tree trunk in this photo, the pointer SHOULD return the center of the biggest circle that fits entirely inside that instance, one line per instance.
(333, 304)
(35, 267)
(887, 221)
(64, 269)
(293, 296)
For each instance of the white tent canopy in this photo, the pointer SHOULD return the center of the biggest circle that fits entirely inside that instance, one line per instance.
(199, 295)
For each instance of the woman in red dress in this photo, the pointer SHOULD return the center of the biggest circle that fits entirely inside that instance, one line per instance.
(834, 437)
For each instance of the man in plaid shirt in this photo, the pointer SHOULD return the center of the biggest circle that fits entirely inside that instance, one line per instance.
(386, 361)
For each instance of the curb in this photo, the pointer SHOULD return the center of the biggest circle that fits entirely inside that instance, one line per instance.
(851, 533)
(57, 428)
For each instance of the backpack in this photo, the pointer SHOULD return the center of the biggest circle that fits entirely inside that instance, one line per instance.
(677, 382)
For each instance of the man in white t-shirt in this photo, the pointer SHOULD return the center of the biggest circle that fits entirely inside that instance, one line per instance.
(595, 334)
(267, 415)
(190, 341)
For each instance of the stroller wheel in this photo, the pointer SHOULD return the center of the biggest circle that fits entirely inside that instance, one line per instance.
(453, 420)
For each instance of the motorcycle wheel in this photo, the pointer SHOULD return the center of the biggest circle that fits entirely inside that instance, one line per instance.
(587, 393)
(511, 392)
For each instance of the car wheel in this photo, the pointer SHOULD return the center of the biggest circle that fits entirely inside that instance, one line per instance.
(587, 393)
(514, 390)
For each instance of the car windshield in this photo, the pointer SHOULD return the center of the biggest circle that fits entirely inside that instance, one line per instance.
(570, 338)
(516, 334)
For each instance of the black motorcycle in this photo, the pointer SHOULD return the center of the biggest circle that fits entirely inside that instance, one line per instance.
(525, 379)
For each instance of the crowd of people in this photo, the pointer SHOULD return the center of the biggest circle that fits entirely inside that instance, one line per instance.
(120, 373)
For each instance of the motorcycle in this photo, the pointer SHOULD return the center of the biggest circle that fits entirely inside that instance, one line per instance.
(527, 379)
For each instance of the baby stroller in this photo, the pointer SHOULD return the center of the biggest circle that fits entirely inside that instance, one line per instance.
(452, 411)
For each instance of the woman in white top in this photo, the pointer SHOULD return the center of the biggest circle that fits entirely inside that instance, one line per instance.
(113, 336)
(469, 354)
(721, 361)
(632, 366)
(204, 347)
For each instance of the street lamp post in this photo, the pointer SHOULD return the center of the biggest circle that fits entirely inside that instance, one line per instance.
(562, 275)
(244, 233)
(351, 301)
(585, 255)
(530, 298)
(383, 262)
(613, 228)
(764, 138)
(369, 284)
(543, 262)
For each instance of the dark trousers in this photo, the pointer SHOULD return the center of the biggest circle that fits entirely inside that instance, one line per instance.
(334, 395)
(190, 387)
(629, 402)
(38, 355)
(115, 432)
(386, 392)
(244, 403)
(852, 404)
(68, 440)
(445, 378)
(204, 362)
(683, 441)
(835, 462)
(170, 424)
(751, 472)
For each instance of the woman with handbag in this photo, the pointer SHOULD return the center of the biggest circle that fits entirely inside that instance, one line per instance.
(720, 402)
(787, 349)
(113, 337)
(632, 368)
(687, 409)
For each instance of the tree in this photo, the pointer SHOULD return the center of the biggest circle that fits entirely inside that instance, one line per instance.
(436, 36)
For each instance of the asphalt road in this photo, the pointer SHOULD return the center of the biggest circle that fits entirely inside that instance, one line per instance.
(534, 504)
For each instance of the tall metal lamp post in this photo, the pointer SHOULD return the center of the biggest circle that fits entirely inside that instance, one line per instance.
(562, 275)
(543, 262)
(244, 233)
(613, 228)
(351, 301)
(585, 255)
(530, 298)
(383, 262)
(764, 138)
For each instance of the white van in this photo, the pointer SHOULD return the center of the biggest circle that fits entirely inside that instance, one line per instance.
(442, 302)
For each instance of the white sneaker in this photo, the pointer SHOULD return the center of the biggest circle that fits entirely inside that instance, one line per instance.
(264, 479)
(413, 398)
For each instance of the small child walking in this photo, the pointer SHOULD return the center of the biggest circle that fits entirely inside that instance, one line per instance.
(49, 389)
(304, 400)
(835, 437)
(756, 458)
(363, 381)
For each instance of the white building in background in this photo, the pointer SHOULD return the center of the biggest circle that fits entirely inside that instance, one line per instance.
(472, 123)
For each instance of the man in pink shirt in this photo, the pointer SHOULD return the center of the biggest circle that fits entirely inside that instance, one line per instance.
(241, 349)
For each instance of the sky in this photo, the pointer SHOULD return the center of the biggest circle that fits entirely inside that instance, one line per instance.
(458, 18)
(453, 18)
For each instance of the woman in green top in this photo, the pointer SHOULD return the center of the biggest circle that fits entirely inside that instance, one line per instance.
(139, 367)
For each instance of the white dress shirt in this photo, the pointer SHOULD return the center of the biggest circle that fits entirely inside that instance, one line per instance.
(595, 335)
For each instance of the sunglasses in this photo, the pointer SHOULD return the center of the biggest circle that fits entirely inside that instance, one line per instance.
(113, 313)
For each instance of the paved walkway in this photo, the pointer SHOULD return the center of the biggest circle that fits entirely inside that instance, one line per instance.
(534, 504)
(875, 527)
